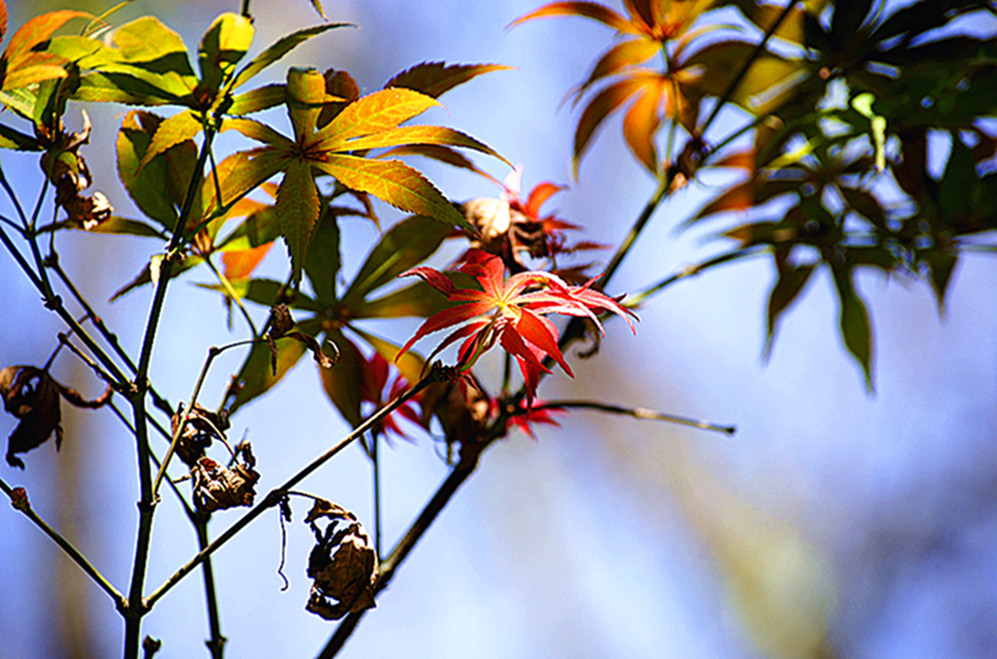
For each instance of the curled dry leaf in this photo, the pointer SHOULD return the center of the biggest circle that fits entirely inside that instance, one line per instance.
(200, 428)
(463, 409)
(68, 171)
(32, 395)
(217, 487)
(281, 323)
(343, 563)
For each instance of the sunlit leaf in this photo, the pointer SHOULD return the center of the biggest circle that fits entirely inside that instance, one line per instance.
(223, 45)
(374, 112)
(598, 109)
(305, 95)
(407, 244)
(242, 172)
(257, 100)
(393, 182)
(591, 10)
(279, 48)
(624, 54)
(437, 78)
(417, 135)
(640, 123)
(260, 132)
(171, 131)
(35, 31)
(145, 184)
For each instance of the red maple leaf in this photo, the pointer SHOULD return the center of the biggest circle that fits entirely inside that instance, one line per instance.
(511, 312)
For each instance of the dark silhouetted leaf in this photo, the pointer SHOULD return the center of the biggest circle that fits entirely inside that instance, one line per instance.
(323, 261)
(343, 384)
(786, 289)
(256, 377)
(854, 322)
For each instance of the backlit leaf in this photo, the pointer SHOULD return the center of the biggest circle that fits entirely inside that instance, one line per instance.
(279, 48)
(405, 245)
(305, 94)
(624, 54)
(145, 185)
(419, 299)
(35, 31)
(241, 173)
(423, 135)
(598, 109)
(297, 211)
(171, 131)
(591, 10)
(641, 122)
(374, 112)
(223, 45)
(257, 99)
(395, 183)
(436, 78)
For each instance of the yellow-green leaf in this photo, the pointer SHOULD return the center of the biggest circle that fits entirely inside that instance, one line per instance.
(35, 31)
(437, 78)
(374, 112)
(393, 182)
(239, 174)
(173, 130)
(297, 211)
(305, 94)
(279, 48)
(411, 365)
(223, 45)
(408, 135)
(257, 99)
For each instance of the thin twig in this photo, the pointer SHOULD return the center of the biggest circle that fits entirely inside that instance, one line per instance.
(635, 412)
(65, 545)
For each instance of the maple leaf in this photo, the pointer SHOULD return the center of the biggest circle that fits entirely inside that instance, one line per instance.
(377, 389)
(669, 29)
(511, 312)
(339, 149)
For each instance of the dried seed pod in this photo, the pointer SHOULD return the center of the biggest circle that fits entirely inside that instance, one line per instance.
(343, 563)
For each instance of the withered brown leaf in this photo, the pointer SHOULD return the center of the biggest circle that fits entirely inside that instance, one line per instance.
(343, 563)
(32, 395)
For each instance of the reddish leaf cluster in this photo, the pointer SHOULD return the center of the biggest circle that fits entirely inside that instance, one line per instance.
(511, 312)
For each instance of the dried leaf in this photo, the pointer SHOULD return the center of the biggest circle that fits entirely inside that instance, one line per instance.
(343, 563)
